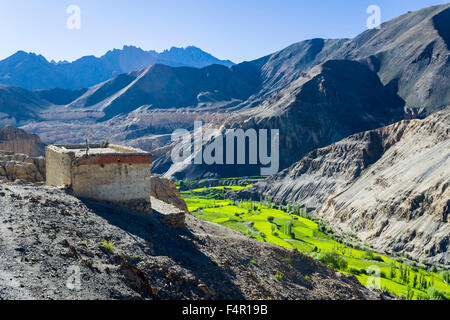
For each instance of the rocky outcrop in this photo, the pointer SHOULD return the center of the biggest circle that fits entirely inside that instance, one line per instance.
(166, 191)
(168, 214)
(21, 167)
(388, 186)
(167, 204)
(19, 141)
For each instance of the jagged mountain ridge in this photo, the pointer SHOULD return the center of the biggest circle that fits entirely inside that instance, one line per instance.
(394, 52)
(31, 71)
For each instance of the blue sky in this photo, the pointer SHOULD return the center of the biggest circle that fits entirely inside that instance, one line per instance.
(229, 29)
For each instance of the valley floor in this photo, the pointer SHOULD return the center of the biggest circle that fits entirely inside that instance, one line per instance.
(291, 228)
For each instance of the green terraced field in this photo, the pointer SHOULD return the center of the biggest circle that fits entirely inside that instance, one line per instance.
(295, 231)
(234, 188)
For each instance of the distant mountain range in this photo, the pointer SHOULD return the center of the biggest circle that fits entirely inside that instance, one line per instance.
(316, 91)
(31, 71)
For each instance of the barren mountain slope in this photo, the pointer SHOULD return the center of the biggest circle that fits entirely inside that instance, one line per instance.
(389, 186)
(163, 87)
(401, 203)
(411, 55)
(17, 104)
(48, 236)
(333, 101)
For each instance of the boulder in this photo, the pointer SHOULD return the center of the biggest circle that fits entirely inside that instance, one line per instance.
(166, 191)
(168, 214)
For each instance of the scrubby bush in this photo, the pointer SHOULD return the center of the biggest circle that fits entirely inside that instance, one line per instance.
(369, 255)
(108, 246)
(321, 227)
(414, 266)
(270, 219)
(362, 271)
(333, 260)
(354, 271)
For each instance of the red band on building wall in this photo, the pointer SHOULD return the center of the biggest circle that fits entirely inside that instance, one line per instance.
(116, 159)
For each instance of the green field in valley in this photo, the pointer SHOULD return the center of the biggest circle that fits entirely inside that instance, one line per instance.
(291, 228)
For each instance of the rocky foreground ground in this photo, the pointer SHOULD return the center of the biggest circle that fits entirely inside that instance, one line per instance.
(48, 238)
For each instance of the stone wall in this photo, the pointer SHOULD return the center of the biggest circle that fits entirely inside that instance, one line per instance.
(112, 182)
(110, 173)
(58, 167)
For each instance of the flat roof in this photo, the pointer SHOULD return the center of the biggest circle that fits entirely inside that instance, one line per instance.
(79, 151)
(93, 151)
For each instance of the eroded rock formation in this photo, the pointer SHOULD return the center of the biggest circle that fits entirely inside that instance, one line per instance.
(19, 141)
(166, 191)
(21, 167)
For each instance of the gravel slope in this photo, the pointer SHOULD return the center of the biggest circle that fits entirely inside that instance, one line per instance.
(45, 234)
